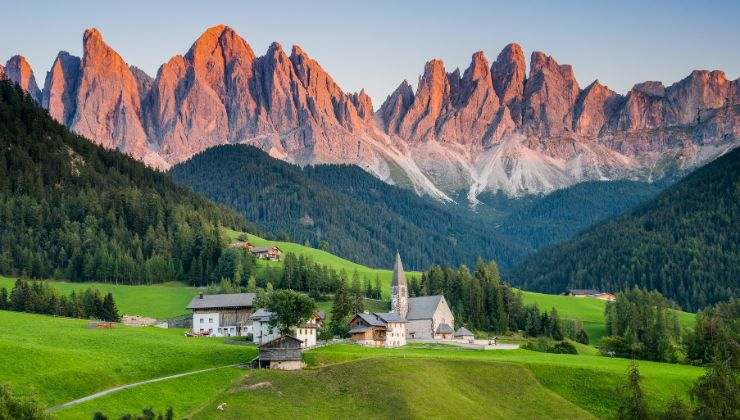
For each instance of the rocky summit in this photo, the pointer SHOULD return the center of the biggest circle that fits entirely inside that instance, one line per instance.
(492, 127)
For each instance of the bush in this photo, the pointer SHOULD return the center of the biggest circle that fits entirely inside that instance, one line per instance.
(563, 347)
(17, 408)
(615, 346)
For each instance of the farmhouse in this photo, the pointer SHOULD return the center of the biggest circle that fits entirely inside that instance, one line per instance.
(222, 315)
(263, 333)
(378, 329)
(281, 353)
(592, 293)
(271, 253)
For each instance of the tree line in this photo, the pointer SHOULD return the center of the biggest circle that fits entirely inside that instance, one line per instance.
(42, 298)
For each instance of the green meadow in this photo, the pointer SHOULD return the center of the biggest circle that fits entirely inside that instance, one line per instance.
(62, 359)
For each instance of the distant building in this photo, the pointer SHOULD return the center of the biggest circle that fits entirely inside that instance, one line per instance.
(592, 293)
(423, 317)
(463, 334)
(222, 315)
(386, 329)
(281, 353)
(271, 253)
(263, 333)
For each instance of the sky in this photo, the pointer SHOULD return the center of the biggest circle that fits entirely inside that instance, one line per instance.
(376, 44)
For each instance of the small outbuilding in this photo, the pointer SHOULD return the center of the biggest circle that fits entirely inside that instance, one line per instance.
(463, 334)
(282, 353)
(443, 332)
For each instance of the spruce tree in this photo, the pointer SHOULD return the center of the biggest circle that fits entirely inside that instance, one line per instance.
(633, 406)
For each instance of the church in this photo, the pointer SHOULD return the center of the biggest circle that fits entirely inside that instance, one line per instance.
(427, 317)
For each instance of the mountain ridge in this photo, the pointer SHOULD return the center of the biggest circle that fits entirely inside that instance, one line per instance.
(490, 128)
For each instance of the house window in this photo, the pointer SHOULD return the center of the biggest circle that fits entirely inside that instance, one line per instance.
(201, 320)
(210, 320)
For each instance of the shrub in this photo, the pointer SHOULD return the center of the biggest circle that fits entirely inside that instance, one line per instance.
(17, 408)
(563, 347)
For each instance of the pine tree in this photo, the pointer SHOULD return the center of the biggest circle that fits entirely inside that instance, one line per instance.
(633, 405)
(4, 304)
(109, 310)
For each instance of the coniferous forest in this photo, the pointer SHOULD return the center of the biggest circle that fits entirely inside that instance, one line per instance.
(684, 244)
(359, 217)
(73, 210)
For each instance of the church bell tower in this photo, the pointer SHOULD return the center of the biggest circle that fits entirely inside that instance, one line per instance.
(399, 289)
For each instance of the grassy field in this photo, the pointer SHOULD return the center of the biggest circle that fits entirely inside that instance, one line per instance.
(394, 388)
(61, 359)
(588, 381)
(156, 301)
(184, 395)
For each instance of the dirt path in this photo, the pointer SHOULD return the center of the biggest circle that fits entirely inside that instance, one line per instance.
(128, 386)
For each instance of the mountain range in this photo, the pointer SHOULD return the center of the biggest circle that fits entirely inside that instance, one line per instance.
(490, 128)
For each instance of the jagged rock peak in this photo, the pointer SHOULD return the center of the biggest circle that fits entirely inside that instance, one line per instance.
(60, 87)
(650, 87)
(478, 67)
(19, 71)
(509, 72)
(395, 106)
(363, 104)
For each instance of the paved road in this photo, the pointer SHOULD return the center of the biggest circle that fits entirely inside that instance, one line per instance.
(127, 386)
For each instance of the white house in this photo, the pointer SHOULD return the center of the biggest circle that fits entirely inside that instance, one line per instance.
(387, 329)
(222, 315)
(263, 333)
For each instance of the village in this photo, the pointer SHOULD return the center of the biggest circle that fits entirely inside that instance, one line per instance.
(422, 319)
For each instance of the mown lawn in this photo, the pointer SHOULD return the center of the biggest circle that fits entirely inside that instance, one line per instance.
(394, 388)
(62, 359)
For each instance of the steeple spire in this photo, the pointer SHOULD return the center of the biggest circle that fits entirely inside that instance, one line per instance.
(399, 276)
(399, 289)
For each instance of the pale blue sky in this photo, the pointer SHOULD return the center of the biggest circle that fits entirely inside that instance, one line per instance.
(376, 44)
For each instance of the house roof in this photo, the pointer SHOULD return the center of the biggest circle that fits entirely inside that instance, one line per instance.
(260, 249)
(423, 307)
(584, 292)
(372, 319)
(444, 329)
(261, 314)
(462, 332)
(399, 277)
(232, 300)
(390, 317)
(276, 343)
(359, 329)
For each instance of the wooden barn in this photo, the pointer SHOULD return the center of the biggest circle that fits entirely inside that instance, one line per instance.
(281, 353)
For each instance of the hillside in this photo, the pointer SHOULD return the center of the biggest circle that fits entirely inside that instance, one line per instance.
(70, 209)
(61, 360)
(684, 243)
(359, 217)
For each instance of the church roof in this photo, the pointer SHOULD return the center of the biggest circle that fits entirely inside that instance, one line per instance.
(423, 307)
(463, 332)
(444, 329)
(399, 277)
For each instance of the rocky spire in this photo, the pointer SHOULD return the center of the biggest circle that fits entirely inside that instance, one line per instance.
(594, 109)
(399, 289)
(108, 100)
(19, 71)
(508, 73)
(549, 97)
(60, 88)
(433, 91)
(395, 106)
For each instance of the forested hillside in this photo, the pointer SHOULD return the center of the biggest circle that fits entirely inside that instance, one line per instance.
(340, 208)
(73, 210)
(357, 216)
(684, 243)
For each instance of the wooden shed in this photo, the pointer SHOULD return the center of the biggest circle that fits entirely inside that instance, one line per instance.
(281, 353)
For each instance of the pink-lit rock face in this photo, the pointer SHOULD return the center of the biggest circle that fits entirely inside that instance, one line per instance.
(19, 71)
(488, 128)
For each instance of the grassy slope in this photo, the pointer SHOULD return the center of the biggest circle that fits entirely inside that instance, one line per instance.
(160, 301)
(62, 359)
(182, 394)
(588, 381)
(388, 388)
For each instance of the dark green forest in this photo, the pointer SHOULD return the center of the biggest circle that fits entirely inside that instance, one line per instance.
(73, 210)
(359, 217)
(684, 243)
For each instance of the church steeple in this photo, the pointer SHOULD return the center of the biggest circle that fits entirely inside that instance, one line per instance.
(399, 289)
